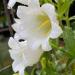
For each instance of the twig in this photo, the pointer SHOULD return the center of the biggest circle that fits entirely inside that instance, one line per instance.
(5, 29)
(5, 68)
(8, 17)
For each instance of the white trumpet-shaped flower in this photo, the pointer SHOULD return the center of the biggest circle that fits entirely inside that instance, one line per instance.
(22, 54)
(37, 24)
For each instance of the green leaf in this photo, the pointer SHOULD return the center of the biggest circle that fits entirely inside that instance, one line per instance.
(26, 73)
(54, 43)
(73, 25)
(49, 69)
(63, 6)
(69, 40)
(48, 66)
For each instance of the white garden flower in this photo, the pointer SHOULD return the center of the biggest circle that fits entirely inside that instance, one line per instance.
(37, 24)
(22, 54)
(11, 3)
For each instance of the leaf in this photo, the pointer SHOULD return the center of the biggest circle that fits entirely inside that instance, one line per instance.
(48, 66)
(73, 25)
(69, 40)
(26, 73)
(54, 43)
(63, 6)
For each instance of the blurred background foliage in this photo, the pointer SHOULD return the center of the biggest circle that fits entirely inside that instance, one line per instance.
(62, 56)
(5, 61)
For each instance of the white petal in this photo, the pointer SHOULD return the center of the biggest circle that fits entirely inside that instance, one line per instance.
(56, 31)
(34, 3)
(11, 3)
(22, 10)
(25, 13)
(33, 56)
(13, 54)
(17, 26)
(34, 44)
(16, 54)
(21, 72)
(12, 43)
(49, 9)
(17, 37)
(23, 1)
(23, 35)
(46, 46)
(20, 30)
(18, 66)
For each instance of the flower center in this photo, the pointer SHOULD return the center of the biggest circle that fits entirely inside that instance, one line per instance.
(45, 24)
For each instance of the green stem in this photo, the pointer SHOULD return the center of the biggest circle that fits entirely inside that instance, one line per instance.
(67, 17)
(67, 21)
(33, 70)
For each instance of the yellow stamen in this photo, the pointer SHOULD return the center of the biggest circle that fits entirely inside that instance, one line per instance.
(44, 24)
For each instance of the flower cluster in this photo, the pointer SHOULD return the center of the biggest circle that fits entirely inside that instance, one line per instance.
(36, 25)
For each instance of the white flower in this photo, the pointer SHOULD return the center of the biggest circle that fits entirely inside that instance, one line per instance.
(37, 24)
(12, 2)
(22, 55)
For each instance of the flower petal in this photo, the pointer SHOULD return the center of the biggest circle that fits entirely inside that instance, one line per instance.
(23, 1)
(11, 3)
(34, 44)
(56, 31)
(34, 3)
(17, 26)
(13, 54)
(12, 43)
(22, 12)
(21, 72)
(49, 9)
(33, 56)
(18, 66)
(45, 45)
